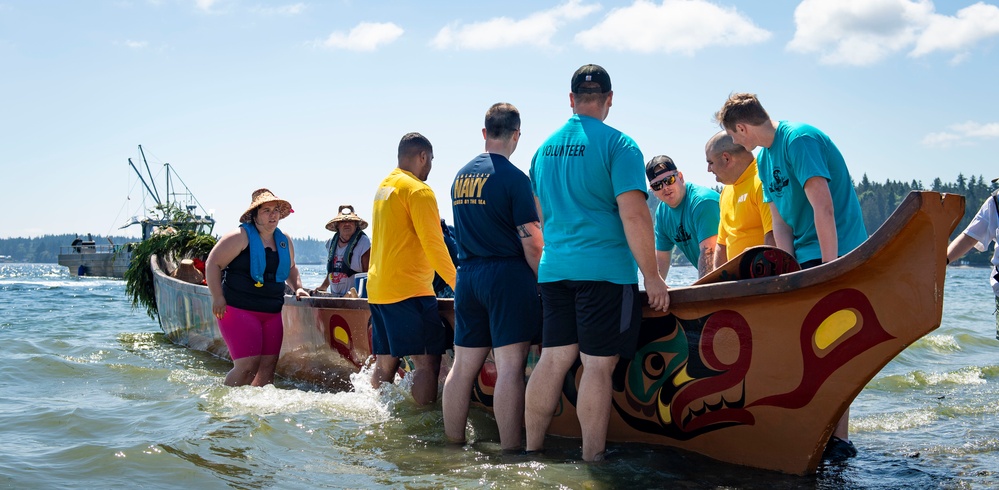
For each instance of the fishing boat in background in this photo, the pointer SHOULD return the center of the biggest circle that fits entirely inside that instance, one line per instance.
(754, 372)
(88, 258)
(178, 210)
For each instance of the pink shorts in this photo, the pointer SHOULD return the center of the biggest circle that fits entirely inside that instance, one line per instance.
(251, 333)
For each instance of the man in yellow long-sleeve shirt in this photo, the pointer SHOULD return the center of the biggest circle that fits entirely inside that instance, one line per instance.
(406, 248)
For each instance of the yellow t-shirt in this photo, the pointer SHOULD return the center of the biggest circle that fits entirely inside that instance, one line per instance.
(407, 244)
(745, 218)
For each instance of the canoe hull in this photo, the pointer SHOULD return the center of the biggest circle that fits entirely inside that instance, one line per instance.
(754, 372)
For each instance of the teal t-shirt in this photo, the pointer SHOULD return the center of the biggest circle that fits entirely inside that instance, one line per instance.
(798, 153)
(694, 220)
(577, 174)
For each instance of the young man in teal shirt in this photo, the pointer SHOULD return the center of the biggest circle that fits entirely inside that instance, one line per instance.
(815, 210)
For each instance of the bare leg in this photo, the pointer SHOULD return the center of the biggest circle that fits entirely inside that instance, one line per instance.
(385, 369)
(842, 430)
(594, 403)
(243, 371)
(544, 389)
(508, 398)
(428, 370)
(265, 371)
(458, 389)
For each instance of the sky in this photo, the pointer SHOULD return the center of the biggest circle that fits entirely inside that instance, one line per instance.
(310, 99)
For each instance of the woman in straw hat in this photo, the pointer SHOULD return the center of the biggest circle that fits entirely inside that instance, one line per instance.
(347, 252)
(246, 273)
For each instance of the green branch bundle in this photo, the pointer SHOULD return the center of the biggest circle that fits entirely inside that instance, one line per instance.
(183, 244)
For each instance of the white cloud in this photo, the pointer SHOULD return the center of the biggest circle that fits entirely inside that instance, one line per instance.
(366, 36)
(971, 25)
(962, 134)
(292, 9)
(217, 7)
(857, 32)
(675, 26)
(536, 29)
(864, 32)
(205, 5)
(941, 140)
(136, 44)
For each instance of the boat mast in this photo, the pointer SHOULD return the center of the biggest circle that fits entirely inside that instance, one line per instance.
(144, 184)
(167, 165)
(156, 194)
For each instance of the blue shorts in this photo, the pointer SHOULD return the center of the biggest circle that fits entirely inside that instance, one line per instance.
(410, 327)
(496, 303)
(602, 317)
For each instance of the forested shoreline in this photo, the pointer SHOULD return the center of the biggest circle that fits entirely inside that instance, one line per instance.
(45, 249)
(877, 201)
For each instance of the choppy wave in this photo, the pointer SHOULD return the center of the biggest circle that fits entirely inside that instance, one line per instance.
(360, 407)
(970, 375)
(894, 421)
(940, 344)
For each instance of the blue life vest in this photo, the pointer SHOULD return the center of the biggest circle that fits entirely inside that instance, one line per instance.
(258, 260)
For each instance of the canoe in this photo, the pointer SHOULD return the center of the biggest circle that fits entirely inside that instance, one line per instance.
(326, 339)
(753, 372)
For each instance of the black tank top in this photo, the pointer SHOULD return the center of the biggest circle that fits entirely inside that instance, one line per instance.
(239, 290)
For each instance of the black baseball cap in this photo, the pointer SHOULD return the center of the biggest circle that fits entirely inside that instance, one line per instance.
(658, 166)
(591, 73)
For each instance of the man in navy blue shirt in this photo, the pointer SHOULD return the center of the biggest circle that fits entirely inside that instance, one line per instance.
(496, 301)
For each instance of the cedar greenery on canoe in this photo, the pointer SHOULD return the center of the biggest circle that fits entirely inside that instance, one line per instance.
(754, 372)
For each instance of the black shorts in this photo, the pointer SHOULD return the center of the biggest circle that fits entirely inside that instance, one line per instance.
(602, 317)
(808, 264)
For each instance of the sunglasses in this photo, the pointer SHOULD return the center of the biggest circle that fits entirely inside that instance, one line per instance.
(660, 184)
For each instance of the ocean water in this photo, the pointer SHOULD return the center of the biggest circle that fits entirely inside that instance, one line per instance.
(92, 395)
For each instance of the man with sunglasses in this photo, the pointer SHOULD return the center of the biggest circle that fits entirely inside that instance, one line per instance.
(687, 216)
(587, 180)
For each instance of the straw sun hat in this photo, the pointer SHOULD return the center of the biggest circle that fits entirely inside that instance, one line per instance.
(261, 197)
(346, 213)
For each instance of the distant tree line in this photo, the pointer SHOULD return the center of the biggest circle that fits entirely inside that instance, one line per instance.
(46, 249)
(877, 202)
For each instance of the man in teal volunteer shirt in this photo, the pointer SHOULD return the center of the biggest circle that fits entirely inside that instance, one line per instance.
(589, 183)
